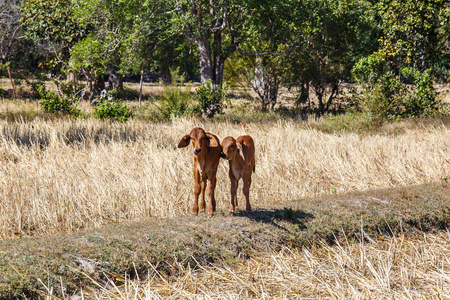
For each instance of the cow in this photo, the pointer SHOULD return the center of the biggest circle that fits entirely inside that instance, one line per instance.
(207, 151)
(240, 154)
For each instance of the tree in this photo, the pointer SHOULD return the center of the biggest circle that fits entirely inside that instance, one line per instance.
(92, 37)
(214, 27)
(397, 78)
(418, 31)
(10, 33)
(328, 37)
(51, 24)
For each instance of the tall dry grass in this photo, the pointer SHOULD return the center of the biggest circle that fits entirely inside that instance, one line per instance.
(60, 176)
(397, 268)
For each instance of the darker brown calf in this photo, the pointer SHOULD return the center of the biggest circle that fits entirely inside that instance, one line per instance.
(240, 154)
(207, 151)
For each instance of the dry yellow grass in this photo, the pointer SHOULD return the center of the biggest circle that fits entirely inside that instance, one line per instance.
(395, 268)
(60, 176)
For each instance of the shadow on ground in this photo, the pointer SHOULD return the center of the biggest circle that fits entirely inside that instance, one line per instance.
(274, 217)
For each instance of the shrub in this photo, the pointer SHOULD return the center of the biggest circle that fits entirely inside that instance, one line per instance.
(383, 100)
(210, 99)
(422, 101)
(112, 110)
(391, 96)
(52, 103)
(123, 93)
(36, 87)
(72, 89)
(175, 102)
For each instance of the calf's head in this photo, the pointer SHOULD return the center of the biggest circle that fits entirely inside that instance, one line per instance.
(200, 140)
(231, 148)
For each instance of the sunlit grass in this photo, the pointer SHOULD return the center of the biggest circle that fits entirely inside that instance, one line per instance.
(60, 176)
(393, 268)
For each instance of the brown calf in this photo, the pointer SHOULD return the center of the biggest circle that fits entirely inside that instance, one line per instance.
(207, 151)
(240, 153)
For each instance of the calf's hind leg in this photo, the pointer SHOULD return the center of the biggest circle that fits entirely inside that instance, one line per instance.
(246, 190)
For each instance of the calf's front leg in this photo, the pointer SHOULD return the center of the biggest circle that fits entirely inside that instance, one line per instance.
(210, 191)
(197, 190)
(234, 202)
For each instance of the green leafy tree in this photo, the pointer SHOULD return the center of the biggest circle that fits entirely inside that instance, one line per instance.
(328, 36)
(115, 43)
(413, 50)
(216, 28)
(10, 34)
(90, 37)
(267, 39)
(418, 31)
(385, 96)
(52, 24)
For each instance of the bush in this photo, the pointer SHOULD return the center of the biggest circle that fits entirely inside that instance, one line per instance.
(422, 101)
(52, 103)
(392, 96)
(72, 89)
(36, 87)
(124, 93)
(175, 102)
(210, 99)
(112, 110)
(383, 100)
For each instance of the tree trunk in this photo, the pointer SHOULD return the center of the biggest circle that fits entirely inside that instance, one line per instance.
(212, 61)
(304, 94)
(219, 60)
(12, 82)
(206, 68)
(140, 87)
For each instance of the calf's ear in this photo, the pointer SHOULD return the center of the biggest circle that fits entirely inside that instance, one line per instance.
(213, 142)
(240, 150)
(184, 141)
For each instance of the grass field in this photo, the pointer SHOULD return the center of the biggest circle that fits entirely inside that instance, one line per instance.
(85, 199)
(61, 176)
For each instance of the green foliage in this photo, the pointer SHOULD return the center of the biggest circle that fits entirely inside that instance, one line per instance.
(417, 29)
(36, 86)
(328, 36)
(3, 67)
(53, 103)
(391, 93)
(176, 101)
(383, 100)
(52, 21)
(369, 69)
(422, 101)
(73, 89)
(319, 42)
(387, 98)
(117, 111)
(123, 93)
(210, 99)
(90, 54)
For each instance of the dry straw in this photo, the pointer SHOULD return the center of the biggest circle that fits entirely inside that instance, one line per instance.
(61, 176)
(397, 268)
